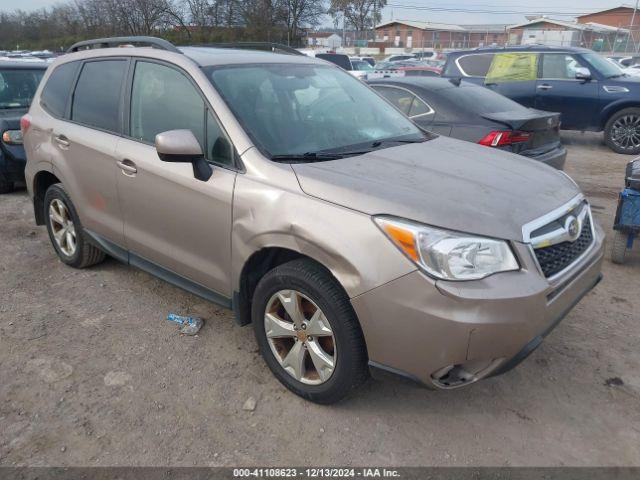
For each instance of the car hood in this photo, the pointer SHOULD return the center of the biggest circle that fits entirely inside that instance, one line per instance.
(445, 183)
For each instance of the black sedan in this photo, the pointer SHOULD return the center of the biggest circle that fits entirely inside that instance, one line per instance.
(469, 112)
(18, 83)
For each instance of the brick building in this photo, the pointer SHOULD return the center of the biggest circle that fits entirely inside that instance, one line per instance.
(621, 18)
(411, 34)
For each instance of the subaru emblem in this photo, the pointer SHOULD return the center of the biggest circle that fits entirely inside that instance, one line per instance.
(572, 225)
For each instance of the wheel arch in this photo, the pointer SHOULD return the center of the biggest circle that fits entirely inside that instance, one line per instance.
(256, 266)
(41, 182)
(613, 108)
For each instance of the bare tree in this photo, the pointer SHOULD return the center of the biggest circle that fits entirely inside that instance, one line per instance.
(301, 13)
(362, 14)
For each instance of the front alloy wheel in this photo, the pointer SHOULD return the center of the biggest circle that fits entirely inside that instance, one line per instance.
(308, 332)
(300, 337)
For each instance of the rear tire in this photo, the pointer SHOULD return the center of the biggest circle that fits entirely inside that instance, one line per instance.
(340, 338)
(622, 132)
(619, 248)
(65, 230)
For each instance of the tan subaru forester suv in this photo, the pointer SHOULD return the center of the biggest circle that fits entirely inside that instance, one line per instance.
(280, 186)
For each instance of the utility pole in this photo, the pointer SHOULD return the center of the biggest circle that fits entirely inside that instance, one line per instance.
(375, 18)
(344, 28)
(633, 19)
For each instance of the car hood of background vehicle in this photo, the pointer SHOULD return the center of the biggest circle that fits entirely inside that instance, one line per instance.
(445, 183)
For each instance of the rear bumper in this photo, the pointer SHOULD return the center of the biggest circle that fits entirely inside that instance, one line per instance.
(12, 168)
(419, 328)
(555, 158)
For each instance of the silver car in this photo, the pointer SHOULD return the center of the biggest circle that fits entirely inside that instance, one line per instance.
(282, 187)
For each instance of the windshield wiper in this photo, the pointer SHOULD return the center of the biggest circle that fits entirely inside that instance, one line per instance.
(379, 143)
(617, 75)
(315, 156)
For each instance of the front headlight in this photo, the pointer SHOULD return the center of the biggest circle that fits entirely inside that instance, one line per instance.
(12, 137)
(448, 255)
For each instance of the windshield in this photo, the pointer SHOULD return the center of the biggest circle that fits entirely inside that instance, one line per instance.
(17, 87)
(361, 65)
(606, 68)
(296, 109)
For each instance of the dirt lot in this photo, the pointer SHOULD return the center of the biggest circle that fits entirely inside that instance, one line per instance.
(91, 373)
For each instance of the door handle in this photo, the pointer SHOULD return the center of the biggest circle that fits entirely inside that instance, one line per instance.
(128, 167)
(544, 86)
(62, 140)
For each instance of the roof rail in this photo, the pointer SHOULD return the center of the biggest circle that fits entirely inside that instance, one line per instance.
(122, 41)
(265, 46)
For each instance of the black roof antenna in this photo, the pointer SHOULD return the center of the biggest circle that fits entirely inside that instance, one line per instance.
(456, 81)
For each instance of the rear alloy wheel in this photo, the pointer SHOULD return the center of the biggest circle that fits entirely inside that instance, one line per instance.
(308, 332)
(62, 227)
(622, 132)
(65, 230)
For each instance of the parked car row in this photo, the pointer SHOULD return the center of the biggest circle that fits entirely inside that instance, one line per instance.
(282, 187)
(590, 92)
(469, 112)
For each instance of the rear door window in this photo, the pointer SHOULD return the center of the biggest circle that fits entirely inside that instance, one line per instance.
(96, 100)
(475, 65)
(513, 67)
(55, 93)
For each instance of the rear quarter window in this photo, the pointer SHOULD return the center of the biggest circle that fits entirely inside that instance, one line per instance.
(55, 93)
(475, 65)
(96, 100)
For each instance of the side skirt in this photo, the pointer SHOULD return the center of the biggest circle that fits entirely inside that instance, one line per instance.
(156, 270)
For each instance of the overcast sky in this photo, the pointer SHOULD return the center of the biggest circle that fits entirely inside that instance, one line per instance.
(469, 11)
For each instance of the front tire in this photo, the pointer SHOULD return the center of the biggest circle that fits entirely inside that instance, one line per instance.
(308, 333)
(622, 132)
(65, 230)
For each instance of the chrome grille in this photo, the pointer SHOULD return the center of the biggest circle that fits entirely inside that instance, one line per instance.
(556, 258)
(560, 238)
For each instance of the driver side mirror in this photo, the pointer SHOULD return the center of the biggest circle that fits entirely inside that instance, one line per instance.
(583, 73)
(181, 146)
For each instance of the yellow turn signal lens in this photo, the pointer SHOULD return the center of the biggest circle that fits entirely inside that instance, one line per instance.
(403, 238)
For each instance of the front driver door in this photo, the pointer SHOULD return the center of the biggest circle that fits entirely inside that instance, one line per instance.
(171, 219)
(558, 90)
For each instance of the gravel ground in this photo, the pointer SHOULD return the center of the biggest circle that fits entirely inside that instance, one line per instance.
(91, 373)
